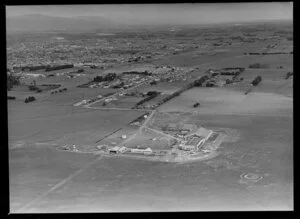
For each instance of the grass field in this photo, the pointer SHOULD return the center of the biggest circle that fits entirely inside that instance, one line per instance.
(216, 100)
(53, 123)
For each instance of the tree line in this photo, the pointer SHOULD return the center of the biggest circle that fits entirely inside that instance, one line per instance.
(108, 77)
(12, 80)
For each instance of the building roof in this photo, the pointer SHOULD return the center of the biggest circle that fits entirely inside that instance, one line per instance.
(201, 132)
(194, 140)
(188, 126)
(172, 125)
(116, 148)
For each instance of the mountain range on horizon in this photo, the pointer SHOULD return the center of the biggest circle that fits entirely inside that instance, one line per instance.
(40, 23)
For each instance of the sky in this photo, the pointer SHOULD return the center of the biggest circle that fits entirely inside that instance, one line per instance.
(166, 13)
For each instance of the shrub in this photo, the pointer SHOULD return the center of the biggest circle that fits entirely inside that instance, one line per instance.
(228, 81)
(32, 88)
(29, 99)
(108, 77)
(196, 105)
(256, 81)
(149, 93)
(288, 75)
(153, 83)
(12, 80)
(199, 82)
(11, 98)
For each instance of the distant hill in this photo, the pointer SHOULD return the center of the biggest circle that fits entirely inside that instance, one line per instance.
(37, 22)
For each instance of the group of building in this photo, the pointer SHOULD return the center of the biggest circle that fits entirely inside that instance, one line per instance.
(123, 149)
(194, 141)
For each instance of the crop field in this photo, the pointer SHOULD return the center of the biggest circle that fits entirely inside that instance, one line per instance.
(215, 100)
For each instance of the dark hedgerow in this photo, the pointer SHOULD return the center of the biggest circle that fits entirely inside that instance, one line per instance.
(29, 99)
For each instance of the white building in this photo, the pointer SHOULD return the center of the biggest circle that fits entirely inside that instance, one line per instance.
(146, 151)
(195, 140)
(78, 104)
(123, 149)
(114, 150)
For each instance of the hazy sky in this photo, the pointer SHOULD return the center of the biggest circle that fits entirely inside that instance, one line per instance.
(166, 13)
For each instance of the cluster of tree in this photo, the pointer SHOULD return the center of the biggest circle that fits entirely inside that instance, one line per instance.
(59, 91)
(200, 81)
(108, 77)
(11, 98)
(53, 86)
(256, 80)
(210, 84)
(196, 105)
(228, 81)
(137, 72)
(150, 97)
(149, 93)
(80, 70)
(34, 88)
(259, 65)
(29, 99)
(53, 68)
(34, 68)
(266, 53)
(171, 96)
(93, 67)
(50, 75)
(153, 83)
(12, 80)
(232, 71)
(139, 119)
(288, 75)
(235, 68)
